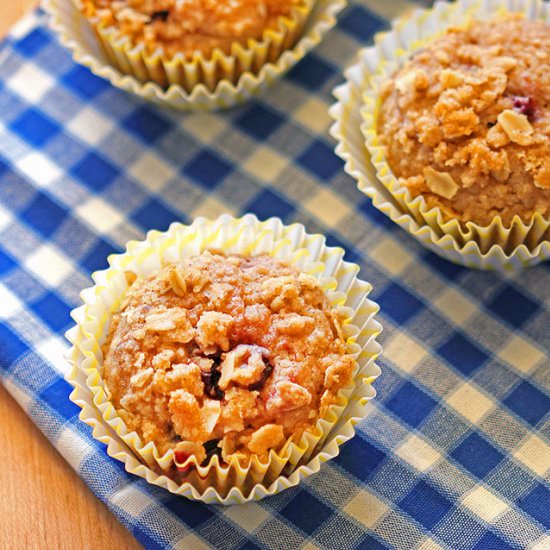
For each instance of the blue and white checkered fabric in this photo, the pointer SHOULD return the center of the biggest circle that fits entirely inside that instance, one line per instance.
(455, 451)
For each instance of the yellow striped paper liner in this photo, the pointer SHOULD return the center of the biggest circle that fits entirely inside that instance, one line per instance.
(201, 84)
(491, 247)
(234, 482)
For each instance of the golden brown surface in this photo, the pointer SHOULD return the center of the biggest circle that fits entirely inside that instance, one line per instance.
(44, 504)
(240, 352)
(466, 121)
(190, 26)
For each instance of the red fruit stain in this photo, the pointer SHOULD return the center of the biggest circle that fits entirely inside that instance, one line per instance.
(524, 105)
(181, 457)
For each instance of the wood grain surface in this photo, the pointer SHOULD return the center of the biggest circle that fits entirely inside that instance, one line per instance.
(43, 503)
(11, 11)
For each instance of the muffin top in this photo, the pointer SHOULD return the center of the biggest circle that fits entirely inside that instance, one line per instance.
(466, 121)
(224, 354)
(190, 26)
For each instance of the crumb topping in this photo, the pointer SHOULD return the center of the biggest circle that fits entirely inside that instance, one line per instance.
(190, 26)
(466, 121)
(224, 354)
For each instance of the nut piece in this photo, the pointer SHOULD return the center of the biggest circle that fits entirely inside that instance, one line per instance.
(243, 366)
(291, 396)
(161, 321)
(496, 137)
(440, 183)
(405, 82)
(449, 78)
(142, 377)
(210, 412)
(267, 437)
(227, 369)
(132, 16)
(177, 281)
(251, 371)
(412, 80)
(516, 126)
(506, 62)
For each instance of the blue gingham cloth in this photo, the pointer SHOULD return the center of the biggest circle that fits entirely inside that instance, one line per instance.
(455, 451)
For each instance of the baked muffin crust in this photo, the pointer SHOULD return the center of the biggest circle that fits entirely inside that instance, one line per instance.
(191, 26)
(224, 354)
(466, 121)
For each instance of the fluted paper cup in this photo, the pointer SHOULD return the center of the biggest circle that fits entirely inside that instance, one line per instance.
(236, 481)
(199, 84)
(495, 246)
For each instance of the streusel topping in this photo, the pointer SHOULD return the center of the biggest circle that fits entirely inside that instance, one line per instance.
(190, 26)
(466, 121)
(224, 354)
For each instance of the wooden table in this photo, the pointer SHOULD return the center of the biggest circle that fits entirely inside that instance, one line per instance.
(11, 11)
(43, 503)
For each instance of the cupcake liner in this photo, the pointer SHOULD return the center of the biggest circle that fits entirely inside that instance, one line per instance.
(199, 84)
(247, 236)
(133, 59)
(495, 246)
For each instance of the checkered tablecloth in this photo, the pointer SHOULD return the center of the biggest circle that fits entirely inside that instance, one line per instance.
(455, 451)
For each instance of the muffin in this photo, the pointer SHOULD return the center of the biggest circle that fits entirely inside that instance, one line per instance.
(225, 360)
(188, 42)
(465, 121)
(442, 122)
(191, 26)
(224, 354)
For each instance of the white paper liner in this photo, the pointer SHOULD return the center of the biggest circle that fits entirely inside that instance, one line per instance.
(354, 112)
(243, 236)
(76, 34)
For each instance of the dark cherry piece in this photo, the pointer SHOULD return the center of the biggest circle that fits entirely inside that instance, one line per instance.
(524, 105)
(161, 15)
(211, 378)
(211, 448)
(257, 386)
